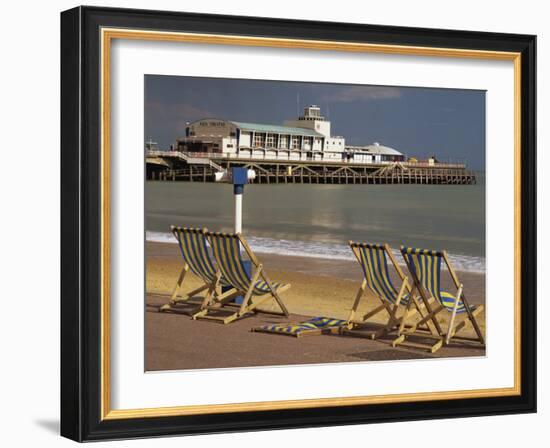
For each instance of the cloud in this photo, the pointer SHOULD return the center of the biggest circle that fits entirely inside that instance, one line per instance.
(178, 112)
(166, 122)
(362, 93)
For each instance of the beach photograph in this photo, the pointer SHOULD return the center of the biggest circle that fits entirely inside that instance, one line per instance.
(292, 223)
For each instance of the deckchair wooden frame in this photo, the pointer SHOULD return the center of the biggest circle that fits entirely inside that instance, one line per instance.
(249, 303)
(443, 338)
(213, 288)
(392, 309)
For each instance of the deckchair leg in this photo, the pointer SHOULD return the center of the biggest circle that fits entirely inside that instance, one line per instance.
(393, 321)
(169, 305)
(453, 315)
(211, 291)
(249, 305)
(191, 294)
(431, 348)
(436, 346)
(405, 316)
(471, 316)
(375, 311)
(358, 296)
(472, 319)
(246, 305)
(398, 340)
(351, 324)
(178, 284)
(420, 307)
(218, 302)
(401, 322)
(462, 324)
(388, 326)
(431, 313)
(274, 293)
(429, 317)
(257, 302)
(246, 300)
(403, 332)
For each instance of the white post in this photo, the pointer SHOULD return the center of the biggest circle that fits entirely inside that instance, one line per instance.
(238, 213)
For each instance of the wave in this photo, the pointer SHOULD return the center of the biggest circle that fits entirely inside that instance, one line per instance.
(313, 249)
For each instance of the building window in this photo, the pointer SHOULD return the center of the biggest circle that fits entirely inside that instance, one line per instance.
(295, 142)
(259, 140)
(270, 141)
(283, 141)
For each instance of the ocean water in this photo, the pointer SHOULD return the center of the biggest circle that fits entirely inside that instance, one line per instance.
(318, 220)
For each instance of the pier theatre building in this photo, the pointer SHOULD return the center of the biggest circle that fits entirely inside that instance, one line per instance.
(307, 137)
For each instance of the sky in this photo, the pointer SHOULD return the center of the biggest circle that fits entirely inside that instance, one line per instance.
(419, 122)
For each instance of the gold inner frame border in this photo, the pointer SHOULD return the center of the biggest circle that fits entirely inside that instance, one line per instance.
(107, 36)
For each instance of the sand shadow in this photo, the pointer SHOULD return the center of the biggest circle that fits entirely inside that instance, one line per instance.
(189, 306)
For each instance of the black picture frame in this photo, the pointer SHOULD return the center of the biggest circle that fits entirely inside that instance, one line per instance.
(81, 224)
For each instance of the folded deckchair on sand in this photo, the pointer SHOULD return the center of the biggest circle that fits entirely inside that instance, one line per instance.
(255, 286)
(425, 268)
(196, 258)
(310, 327)
(373, 259)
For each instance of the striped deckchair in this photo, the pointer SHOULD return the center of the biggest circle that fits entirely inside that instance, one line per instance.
(425, 268)
(196, 258)
(255, 286)
(310, 327)
(373, 259)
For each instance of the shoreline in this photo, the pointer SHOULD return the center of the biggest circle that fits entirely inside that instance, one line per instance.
(320, 251)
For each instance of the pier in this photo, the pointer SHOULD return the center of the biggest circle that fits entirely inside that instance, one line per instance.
(201, 167)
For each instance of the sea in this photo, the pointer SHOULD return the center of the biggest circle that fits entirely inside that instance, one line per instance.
(318, 220)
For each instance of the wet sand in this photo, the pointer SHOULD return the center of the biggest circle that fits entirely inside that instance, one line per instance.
(319, 287)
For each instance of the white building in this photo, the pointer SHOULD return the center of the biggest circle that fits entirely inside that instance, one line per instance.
(375, 153)
(306, 138)
(333, 146)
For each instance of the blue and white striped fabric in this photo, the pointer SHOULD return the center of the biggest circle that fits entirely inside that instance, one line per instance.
(227, 251)
(375, 268)
(194, 250)
(426, 266)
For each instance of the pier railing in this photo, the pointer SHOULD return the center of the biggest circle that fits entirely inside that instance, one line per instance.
(209, 157)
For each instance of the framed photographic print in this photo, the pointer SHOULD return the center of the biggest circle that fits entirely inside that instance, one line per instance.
(276, 224)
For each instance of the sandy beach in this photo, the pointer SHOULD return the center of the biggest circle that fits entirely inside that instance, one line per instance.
(319, 287)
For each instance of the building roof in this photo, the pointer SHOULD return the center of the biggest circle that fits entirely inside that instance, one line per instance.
(375, 148)
(274, 129)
